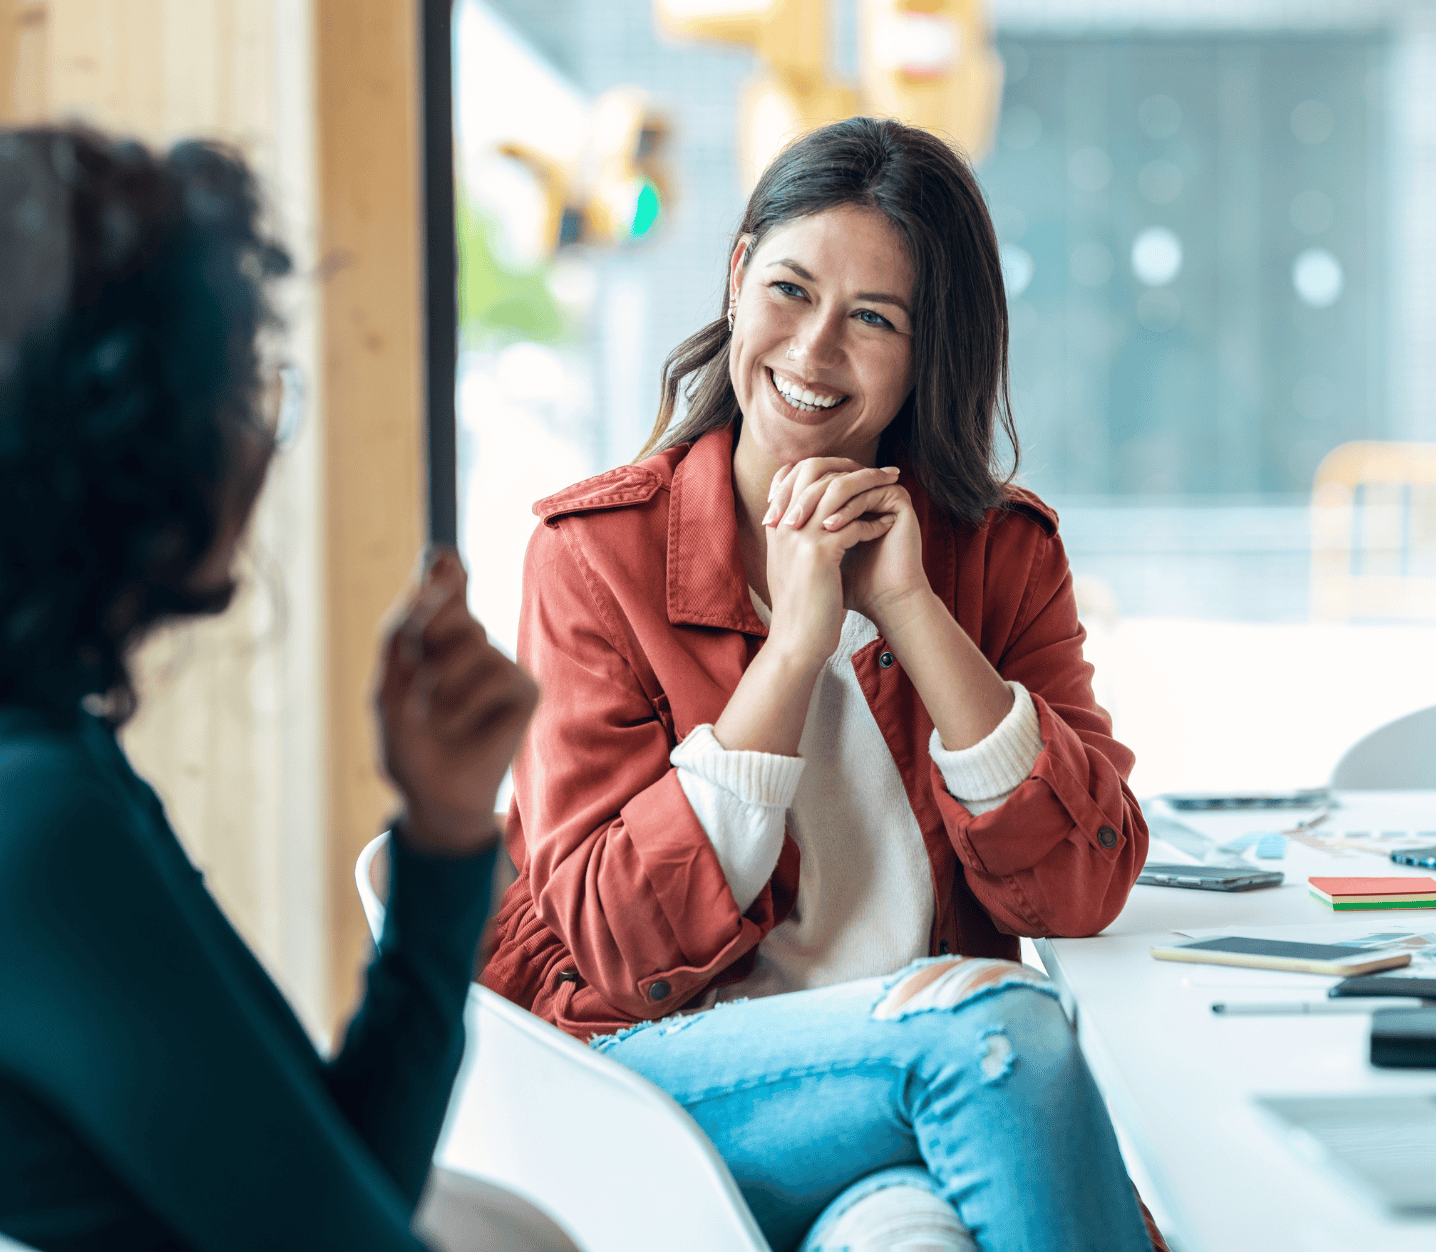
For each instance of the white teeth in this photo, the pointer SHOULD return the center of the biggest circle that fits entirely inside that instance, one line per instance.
(802, 398)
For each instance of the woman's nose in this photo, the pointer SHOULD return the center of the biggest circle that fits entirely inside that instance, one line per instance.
(818, 340)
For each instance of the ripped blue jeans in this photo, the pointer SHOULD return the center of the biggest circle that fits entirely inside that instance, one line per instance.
(977, 1078)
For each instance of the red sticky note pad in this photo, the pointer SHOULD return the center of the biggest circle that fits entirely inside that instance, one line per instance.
(1375, 886)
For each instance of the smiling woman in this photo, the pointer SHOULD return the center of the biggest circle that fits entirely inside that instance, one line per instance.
(819, 741)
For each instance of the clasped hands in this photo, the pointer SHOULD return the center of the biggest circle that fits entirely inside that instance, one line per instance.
(840, 535)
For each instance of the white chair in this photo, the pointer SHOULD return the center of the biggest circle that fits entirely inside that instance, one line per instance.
(463, 1214)
(1400, 756)
(618, 1163)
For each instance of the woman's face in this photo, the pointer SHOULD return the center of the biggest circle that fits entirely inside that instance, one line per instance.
(821, 357)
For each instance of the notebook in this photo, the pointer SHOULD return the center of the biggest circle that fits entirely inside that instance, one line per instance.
(1347, 894)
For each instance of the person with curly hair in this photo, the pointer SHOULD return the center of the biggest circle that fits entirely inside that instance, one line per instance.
(156, 1091)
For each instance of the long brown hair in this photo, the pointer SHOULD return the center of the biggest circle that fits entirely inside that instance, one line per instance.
(947, 426)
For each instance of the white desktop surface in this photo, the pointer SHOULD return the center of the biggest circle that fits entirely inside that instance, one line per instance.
(1181, 1080)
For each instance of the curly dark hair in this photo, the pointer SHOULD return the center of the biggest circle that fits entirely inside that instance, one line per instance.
(135, 290)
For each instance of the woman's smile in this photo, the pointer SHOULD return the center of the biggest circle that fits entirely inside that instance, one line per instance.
(807, 403)
(821, 355)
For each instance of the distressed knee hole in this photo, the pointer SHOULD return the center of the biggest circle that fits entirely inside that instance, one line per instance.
(949, 984)
(911, 985)
(997, 1056)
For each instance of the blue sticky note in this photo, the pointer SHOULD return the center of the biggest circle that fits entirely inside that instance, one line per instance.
(1271, 847)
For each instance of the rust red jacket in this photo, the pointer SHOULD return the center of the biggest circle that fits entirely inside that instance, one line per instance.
(638, 624)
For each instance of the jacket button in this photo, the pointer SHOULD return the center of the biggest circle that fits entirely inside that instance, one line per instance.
(944, 948)
(566, 975)
(659, 990)
(886, 660)
(1107, 837)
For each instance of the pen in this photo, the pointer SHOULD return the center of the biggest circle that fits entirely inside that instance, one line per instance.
(1353, 1004)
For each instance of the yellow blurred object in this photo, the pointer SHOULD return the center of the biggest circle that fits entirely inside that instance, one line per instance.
(615, 190)
(772, 113)
(928, 62)
(1373, 533)
(932, 65)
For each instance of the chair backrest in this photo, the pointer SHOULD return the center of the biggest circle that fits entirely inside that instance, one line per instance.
(11, 1245)
(1373, 533)
(1399, 756)
(463, 1214)
(613, 1158)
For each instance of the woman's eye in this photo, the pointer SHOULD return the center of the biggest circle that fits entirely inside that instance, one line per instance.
(869, 318)
(790, 289)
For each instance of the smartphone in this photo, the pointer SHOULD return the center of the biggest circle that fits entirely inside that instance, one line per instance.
(1209, 877)
(1385, 985)
(1404, 1038)
(1415, 856)
(1305, 958)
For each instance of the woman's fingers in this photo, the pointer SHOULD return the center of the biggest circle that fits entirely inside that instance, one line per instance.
(884, 498)
(791, 483)
(830, 493)
(864, 529)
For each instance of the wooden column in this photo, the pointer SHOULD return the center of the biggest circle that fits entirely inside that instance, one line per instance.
(369, 190)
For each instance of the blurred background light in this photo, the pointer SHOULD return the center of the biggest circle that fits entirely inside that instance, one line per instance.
(1016, 268)
(1156, 256)
(1316, 275)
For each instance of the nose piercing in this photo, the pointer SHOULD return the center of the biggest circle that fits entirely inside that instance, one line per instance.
(790, 354)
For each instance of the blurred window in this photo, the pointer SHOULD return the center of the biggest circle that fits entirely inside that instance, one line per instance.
(1207, 241)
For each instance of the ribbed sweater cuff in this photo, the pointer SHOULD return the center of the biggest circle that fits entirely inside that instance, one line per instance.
(752, 777)
(994, 767)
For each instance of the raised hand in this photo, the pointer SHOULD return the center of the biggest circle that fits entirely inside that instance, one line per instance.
(881, 570)
(805, 554)
(452, 709)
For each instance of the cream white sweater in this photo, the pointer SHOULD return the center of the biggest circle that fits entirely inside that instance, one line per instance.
(865, 892)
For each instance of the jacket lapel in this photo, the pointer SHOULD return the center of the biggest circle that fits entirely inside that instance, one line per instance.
(706, 582)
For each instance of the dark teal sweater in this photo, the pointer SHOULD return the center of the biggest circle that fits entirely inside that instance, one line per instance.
(156, 1091)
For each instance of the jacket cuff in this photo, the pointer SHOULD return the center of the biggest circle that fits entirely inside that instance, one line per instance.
(741, 801)
(984, 775)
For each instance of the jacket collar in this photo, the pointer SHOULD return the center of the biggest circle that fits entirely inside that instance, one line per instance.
(707, 585)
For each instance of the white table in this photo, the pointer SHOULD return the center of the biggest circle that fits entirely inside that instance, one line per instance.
(1181, 1081)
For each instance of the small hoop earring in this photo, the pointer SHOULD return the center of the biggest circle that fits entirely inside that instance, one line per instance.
(730, 319)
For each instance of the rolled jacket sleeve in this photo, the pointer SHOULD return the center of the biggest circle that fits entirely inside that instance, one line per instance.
(984, 775)
(618, 863)
(1060, 855)
(741, 800)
